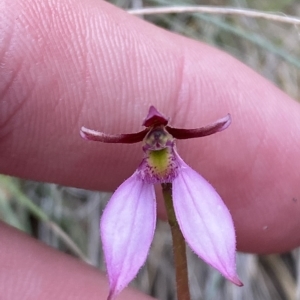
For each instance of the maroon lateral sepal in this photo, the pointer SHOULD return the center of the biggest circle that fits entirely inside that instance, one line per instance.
(217, 126)
(130, 138)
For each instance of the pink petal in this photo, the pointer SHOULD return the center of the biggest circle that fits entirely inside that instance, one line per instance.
(127, 228)
(205, 221)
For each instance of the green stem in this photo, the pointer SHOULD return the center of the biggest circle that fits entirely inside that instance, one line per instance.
(182, 283)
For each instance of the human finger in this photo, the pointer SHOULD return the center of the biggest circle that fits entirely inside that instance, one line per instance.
(70, 63)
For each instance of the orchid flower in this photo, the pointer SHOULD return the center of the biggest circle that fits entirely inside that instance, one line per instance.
(128, 222)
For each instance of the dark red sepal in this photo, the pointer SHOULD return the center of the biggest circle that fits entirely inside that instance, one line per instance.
(155, 118)
(130, 138)
(217, 126)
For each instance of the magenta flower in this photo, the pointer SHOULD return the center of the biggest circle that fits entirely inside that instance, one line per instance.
(128, 222)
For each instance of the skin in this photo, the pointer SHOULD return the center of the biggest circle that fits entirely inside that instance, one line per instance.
(69, 63)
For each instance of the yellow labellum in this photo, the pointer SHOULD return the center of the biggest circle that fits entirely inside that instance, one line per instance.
(159, 161)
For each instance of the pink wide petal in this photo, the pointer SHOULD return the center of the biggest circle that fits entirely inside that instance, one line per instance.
(205, 221)
(127, 228)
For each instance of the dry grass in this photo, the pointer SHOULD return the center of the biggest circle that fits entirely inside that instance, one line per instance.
(68, 219)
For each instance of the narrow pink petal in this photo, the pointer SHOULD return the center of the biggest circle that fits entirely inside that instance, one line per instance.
(127, 228)
(205, 221)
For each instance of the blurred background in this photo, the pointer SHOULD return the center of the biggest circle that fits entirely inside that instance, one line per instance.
(68, 219)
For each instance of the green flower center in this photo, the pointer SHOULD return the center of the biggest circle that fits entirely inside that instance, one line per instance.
(159, 161)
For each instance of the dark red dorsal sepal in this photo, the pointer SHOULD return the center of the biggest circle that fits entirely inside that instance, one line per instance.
(155, 118)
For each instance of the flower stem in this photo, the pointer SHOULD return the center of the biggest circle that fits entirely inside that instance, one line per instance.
(182, 284)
